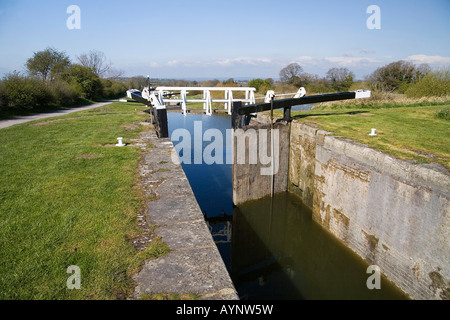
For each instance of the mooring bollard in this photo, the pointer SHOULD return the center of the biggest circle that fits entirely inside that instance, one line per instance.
(120, 144)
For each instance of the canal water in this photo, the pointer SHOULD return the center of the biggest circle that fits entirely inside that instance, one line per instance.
(272, 248)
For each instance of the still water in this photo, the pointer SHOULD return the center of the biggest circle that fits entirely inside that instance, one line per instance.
(271, 247)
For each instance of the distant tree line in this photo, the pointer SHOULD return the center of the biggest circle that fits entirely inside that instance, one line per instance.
(400, 77)
(336, 79)
(397, 77)
(414, 81)
(51, 79)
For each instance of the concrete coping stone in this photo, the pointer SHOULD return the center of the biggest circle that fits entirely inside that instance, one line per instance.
(194, 264)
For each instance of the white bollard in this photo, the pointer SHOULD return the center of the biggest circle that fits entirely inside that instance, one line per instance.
(372, 133)
(269, 96)
(120, 144)
(300, 93)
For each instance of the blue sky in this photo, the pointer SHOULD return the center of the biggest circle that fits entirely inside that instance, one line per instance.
(222, 39)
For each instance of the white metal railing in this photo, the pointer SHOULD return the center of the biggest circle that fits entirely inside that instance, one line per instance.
(228, 98)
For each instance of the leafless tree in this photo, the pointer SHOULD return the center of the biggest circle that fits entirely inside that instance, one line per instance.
(114, 74)
(291, 73)
(96, 61)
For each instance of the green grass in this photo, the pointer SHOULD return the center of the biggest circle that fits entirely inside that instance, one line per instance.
(69, 197)
(155, 249)
(406, 131)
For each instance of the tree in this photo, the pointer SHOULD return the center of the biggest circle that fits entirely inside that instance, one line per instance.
(137, 82)
(96, 61)
(85, 79)
(47, 64)
(422, 70)
(340, 79)
(395, 75)
(305, 79)
(291, 73)
(261, 85)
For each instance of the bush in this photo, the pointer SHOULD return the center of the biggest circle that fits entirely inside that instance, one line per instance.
(443, 114)
(283, 87)
(64, 93)
(396, 75)
(83, 77)
(18, 91)
(2, 95)
(435, 84)
(319, 87)
(340, 79)
(261, 86)
(113, 89)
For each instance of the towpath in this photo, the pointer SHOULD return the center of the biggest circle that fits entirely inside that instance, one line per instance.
(10, 122)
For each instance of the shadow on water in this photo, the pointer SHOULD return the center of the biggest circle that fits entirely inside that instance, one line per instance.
(282, 253)
(272, 248)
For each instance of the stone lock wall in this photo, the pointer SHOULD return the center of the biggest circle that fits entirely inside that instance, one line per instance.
(392, 213)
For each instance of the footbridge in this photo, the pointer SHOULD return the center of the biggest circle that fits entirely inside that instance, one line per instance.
(240, 108)
(179, 95)
(161, 97)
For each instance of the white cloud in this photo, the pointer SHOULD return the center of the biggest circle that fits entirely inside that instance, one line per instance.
(227, 62)
(307, 62)
(432, 60)
(352, 61)
(340, 61)
(243, 60)
(174, 63)
(361, 64)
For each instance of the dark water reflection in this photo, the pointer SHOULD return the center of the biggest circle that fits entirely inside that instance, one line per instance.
(271, 247)
(278, 251)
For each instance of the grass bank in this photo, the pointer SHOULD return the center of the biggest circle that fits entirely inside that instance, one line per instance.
(69, 197)
(414, 130)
